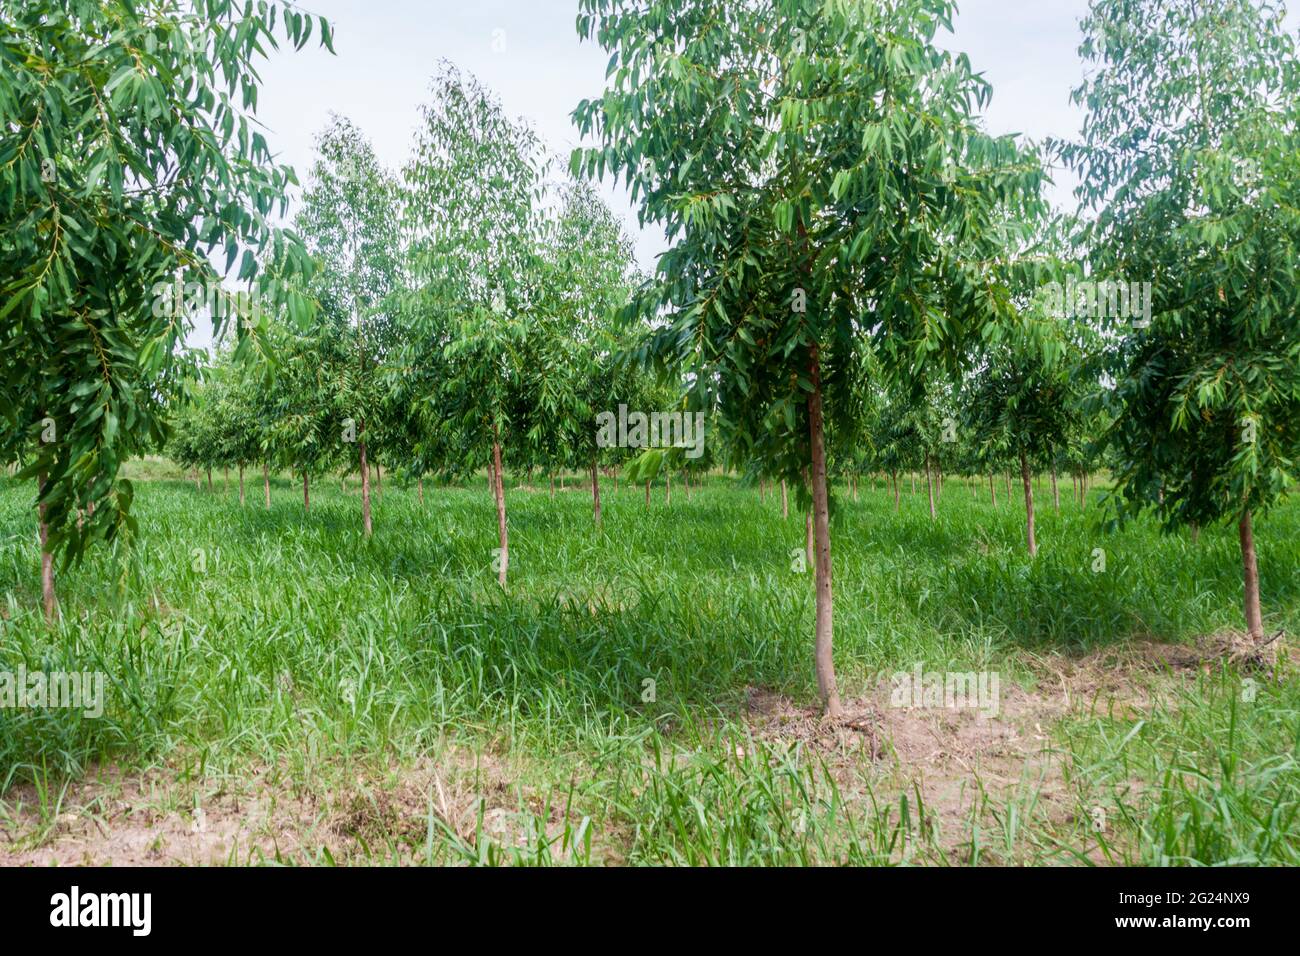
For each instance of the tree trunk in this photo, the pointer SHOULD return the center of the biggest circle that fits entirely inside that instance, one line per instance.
(993, 490)
(241, 485)
(225, 481)
(1250, 575)
(762, 490)
(898, 504)
(1083, 492)
(47, 559)
(822, 653)
(419, 487)
(785, 502)
(209, 481)
(913, 475)
(595, 492)
(938, 483)
(552, 486)
(647, 496)
(306, 492)
(668, 487)
(499, 492)
(1056, 494)
(1029, 504)
(365, 485)
(379, 481)
(266, 483)
(929, 485)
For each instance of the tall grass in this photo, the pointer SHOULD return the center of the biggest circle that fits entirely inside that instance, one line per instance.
(615, 667)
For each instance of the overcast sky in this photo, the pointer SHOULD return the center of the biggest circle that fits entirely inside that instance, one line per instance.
(528, 51)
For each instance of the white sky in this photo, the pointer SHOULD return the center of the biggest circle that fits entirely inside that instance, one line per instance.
(528, 51)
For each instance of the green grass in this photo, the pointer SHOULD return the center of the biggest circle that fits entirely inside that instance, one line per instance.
(299, 646)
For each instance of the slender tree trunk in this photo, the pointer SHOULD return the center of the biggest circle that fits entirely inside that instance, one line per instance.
(306, 492)
(647, 496)
(1007, 477)
(993, 490)
(48, 599)
(913, 476)
(762, 490)
(225, 480)
(1029, 504)
(929, 485)
(241, 484)
(1196, 532)
(1250, 575)
(552, 486)
(595, 492)
(823, 658)
(938, 483)
(499, 492)
(898, 504)
(209, 481)
(365, 485)
(1083, 492)
(1056, 494)
(785, 502)
(266, 483)
(419, 486)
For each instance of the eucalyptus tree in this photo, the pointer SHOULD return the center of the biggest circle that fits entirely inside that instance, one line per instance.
(588, 277)
(350, 221)
(913, 428)
(304, 430)
(1190, 167)
(187, 438)
(1021, 404)
(474, 188)
(235, 407)
(128, 154)
(827, 193)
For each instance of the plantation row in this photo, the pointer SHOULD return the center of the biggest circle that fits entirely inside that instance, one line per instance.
(860, 278)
